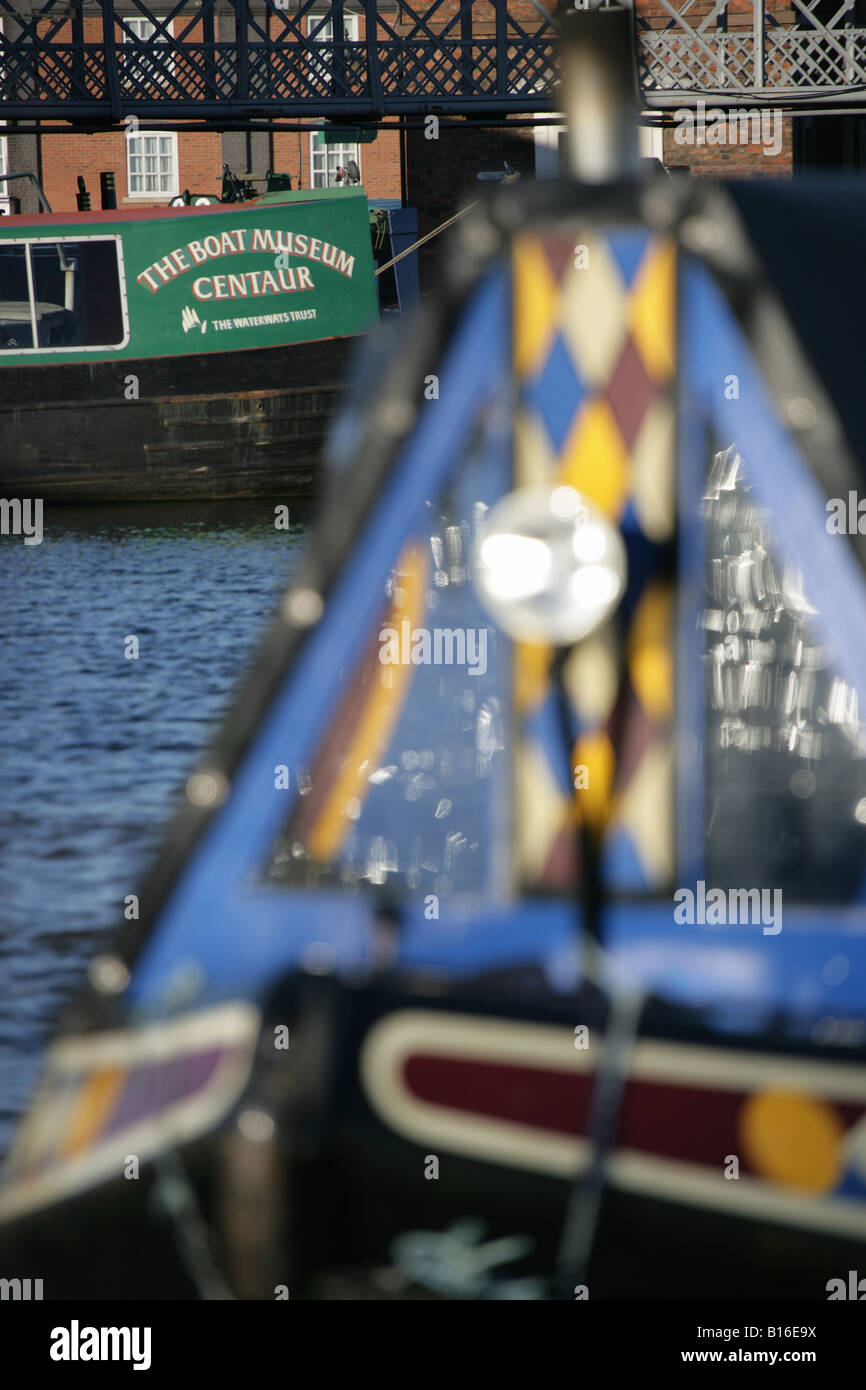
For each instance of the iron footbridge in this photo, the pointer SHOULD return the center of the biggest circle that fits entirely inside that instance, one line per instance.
(239, 61)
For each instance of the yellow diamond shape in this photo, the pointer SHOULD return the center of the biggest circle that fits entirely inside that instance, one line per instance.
(652, 310)
(650, 655)
(594, 762)
(536, 301)
(531, 675)
(594, 459)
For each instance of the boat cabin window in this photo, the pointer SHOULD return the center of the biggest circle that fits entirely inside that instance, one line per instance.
(406, 783)
(60, 295)
(785, 739)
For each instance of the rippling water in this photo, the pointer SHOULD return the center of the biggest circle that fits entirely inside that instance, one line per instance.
(95, 746)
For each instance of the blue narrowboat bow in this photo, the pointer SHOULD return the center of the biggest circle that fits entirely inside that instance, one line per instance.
(511, 939)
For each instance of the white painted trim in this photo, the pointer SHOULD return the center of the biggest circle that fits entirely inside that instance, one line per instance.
(506, 1144)
(27, 242)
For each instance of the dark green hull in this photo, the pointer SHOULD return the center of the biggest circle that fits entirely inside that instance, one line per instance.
(180, 353)
(227, 424)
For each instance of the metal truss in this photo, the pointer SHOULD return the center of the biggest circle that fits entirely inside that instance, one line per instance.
(237, 61)
(755, 53)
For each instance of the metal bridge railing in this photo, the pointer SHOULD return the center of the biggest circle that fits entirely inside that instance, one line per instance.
(246, 59)
(243, 59)
(772, 52)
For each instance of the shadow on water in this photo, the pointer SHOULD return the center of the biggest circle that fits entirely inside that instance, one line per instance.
(98, 741)
(242, 515)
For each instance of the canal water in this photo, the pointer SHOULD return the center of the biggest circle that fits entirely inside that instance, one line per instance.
(96, 745)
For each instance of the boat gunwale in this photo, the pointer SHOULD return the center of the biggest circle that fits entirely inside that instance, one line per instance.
(159, 213)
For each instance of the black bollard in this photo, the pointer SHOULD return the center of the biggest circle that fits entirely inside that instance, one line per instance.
(107, 189)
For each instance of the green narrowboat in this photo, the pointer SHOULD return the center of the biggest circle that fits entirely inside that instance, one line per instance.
(185, 352)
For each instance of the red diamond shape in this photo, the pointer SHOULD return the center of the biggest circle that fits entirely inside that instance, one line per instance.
(630, 392)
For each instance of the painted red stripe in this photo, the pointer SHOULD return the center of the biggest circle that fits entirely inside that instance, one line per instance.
(687, 1123)
(537, 1097)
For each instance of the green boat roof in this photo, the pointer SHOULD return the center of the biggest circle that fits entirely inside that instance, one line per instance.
(30, 224)
(312, 195)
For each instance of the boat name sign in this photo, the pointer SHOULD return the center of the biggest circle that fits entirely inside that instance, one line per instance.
(137, 285)
(283, 279)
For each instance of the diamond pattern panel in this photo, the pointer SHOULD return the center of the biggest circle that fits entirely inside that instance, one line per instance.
(594, 360)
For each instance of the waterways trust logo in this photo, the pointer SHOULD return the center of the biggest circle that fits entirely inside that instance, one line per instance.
(438, 646)
(737, 907)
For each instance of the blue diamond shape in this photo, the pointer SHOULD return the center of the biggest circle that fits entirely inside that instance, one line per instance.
(556, 393)
(623, 868)
(627, 249)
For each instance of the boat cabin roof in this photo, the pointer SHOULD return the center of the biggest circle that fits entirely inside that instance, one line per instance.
(14, 225)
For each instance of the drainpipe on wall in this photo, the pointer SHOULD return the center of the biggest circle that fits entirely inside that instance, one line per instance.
(599, 94)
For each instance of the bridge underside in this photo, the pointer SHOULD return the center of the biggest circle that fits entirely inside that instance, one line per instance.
(238, 61)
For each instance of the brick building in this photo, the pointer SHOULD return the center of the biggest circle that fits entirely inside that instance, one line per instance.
(433, 175)
(151, 167)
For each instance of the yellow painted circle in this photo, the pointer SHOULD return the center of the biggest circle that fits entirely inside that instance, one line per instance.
(793, 1139)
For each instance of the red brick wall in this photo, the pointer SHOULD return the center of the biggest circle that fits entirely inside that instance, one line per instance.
(732, 161)
(441, 174)
(200, 163)
(64, 157)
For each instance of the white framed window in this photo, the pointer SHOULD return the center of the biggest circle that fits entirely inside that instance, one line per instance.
(62, 296)
(151, 164)
(141, 28)
(326, 33)
(141, 71)
(327, 160)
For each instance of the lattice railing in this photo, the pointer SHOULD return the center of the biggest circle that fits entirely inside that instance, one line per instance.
(242, 59)
(753, 52)
(246, 58)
